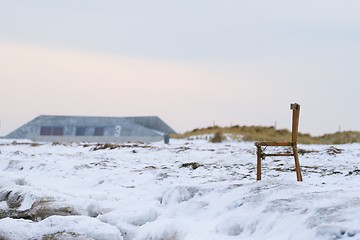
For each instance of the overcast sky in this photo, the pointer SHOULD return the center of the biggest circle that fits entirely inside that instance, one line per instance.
(192, 63)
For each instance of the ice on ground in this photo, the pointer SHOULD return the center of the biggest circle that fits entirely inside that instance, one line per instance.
(187, 190)
(82, 225)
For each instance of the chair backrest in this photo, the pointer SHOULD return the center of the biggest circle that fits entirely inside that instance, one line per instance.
(295, 121)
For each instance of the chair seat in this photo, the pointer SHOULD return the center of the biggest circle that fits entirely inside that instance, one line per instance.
(278, 154)
(275, 144)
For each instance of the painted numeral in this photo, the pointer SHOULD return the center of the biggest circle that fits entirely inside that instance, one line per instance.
(117, 131)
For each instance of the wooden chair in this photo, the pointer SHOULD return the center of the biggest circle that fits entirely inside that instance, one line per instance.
(293, 144)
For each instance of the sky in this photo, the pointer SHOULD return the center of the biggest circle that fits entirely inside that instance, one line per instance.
(192, 63)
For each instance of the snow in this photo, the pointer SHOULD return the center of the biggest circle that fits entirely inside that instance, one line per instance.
(188, 189)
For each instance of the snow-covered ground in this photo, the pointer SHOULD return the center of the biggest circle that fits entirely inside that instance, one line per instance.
(189, 189)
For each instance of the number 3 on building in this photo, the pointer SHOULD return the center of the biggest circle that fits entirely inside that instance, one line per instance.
(117, 131)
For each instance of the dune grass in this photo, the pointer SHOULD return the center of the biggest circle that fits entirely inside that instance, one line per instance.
(261, 133)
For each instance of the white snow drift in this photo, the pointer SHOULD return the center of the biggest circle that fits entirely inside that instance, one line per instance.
(187, 190)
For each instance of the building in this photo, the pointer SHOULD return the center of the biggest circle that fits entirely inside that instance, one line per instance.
(93, 129)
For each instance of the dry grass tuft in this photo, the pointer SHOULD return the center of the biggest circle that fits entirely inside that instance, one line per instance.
(217, 138)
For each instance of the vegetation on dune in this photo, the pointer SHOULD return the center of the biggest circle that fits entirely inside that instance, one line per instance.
(261, 133)
(218, 137)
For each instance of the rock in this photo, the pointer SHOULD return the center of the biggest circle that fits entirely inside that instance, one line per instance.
(14, 199)
(44, 208)
(333, 150)
(193, 165)
(4, 195)
(66, 236)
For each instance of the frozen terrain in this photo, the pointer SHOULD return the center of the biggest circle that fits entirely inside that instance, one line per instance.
(189, 189)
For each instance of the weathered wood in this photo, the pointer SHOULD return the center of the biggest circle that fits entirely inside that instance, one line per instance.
(261, 155)
(258, 165)
(295, 123)
(294, 106)
(297, 165)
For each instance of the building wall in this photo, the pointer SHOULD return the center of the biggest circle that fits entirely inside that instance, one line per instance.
(93, 129)
(97, 139)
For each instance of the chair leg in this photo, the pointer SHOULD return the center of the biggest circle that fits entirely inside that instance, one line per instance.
(297, 165)
(258, 165)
